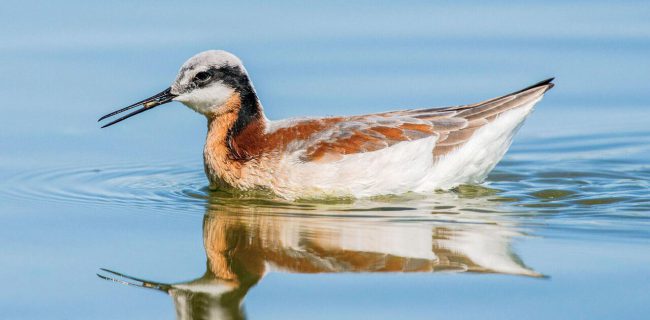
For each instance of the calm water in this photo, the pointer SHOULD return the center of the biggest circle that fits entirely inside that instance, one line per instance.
(561, 229)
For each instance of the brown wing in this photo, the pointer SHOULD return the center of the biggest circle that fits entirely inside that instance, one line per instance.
(365, 134)
(452, 126)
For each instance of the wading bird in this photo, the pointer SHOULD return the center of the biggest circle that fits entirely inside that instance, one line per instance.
(417, 150)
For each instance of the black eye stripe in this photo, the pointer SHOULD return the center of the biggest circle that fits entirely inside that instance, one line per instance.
(203, 76)
(228, 75)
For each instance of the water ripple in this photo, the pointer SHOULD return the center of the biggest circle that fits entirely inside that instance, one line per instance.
(547, 181)
(159, 186)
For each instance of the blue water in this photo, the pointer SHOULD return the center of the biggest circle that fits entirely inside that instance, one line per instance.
(561, 229)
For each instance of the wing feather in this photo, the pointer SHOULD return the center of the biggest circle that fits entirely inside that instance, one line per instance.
(451, 126)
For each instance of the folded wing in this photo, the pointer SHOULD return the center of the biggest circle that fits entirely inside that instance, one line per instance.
(452, 127)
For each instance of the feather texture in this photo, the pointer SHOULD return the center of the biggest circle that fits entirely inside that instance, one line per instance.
(384, 153)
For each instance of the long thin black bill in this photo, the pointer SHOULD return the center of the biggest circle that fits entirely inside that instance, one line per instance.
(161, 98)
(133, 281)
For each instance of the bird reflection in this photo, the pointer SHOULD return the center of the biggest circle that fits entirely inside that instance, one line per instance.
(243, 243)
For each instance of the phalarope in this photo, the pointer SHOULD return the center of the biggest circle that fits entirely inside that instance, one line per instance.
(417, 150)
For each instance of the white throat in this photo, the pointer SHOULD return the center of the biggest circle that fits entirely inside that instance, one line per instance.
(207, 100)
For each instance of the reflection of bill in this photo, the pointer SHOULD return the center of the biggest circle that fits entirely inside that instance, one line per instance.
(243, 245)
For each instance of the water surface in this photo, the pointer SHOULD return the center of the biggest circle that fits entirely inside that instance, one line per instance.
(561, 228)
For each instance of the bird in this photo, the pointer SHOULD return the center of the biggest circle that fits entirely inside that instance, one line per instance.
(386, 153)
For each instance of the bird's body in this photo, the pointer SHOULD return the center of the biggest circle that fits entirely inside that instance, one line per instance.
(418, 150)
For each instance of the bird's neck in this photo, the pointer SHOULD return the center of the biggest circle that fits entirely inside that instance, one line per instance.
(242, 125)
(231, 134)
(249, 111)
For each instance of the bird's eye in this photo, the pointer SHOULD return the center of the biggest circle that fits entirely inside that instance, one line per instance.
(202, 76)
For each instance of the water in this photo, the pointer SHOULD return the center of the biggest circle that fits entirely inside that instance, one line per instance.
(560, 230)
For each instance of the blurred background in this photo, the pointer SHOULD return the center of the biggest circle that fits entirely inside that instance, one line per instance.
(64, 64)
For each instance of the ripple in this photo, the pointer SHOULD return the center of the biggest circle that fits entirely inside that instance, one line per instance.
(599, 201)
(182, 188)
(552, 194)
(158, 186)
(544, 183)
(473, 191)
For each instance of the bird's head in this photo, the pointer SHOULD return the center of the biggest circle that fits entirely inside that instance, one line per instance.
(204, 83)
(207, 80)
